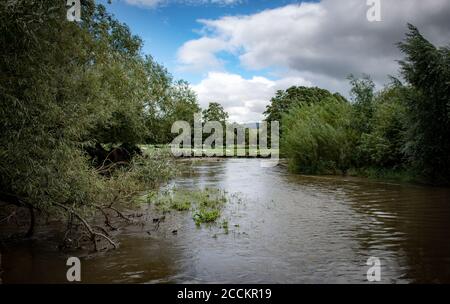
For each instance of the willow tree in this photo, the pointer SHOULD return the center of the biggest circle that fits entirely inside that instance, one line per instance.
(426, 68)
(318, 138)
(65, 84)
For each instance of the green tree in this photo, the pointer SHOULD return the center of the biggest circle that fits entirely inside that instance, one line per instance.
(179, 103)
(384, 144)
(295, 96)
(426, 68)
(123, 76)
(215, 112)
(63, 85)
(362, 93)
(318, 138)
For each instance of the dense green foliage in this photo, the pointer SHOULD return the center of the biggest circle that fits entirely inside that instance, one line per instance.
(427, 70)
(382, 144)
(402, 128)
(65, 86)
(294, 96)
(318, 137)
(362, 93)
(177, 102)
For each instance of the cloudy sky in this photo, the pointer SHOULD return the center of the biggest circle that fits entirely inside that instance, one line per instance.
(239, 52)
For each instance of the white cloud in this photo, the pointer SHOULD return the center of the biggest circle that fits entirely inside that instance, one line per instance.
(197, 55)
(148, 3)
(325, 40)
(156, 3)
(312, 43)
(244, 99)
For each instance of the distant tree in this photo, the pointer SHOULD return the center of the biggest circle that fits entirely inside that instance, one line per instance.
(215, 112)
(295, 96)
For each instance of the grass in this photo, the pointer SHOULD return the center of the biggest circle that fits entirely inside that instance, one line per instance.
(403, 176)
(206, 216)
(206, 205)
(239, 151)
(225, 226)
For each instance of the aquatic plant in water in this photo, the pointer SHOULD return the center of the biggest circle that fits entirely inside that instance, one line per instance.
(206, 205)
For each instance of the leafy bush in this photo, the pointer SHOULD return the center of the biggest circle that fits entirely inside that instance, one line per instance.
(426, 69)
(65, 85)
(384, 146)
(317, 138)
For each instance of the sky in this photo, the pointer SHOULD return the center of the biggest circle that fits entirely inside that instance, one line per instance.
(240, 52)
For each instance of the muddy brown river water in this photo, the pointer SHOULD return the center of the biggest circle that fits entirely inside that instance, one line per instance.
(283, 228)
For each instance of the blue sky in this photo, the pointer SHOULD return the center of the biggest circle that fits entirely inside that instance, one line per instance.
(240, 52)
(166, 27)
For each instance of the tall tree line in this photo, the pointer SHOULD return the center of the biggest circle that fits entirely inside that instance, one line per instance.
(404, 128)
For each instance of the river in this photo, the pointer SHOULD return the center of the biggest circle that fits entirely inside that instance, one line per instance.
(283, 228)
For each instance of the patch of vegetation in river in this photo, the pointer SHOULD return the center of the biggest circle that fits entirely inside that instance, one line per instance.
(206, 206)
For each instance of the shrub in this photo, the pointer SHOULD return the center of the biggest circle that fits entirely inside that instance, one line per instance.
(317, 138)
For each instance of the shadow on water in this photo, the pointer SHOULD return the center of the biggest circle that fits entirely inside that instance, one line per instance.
(284, 228)
(138, 260)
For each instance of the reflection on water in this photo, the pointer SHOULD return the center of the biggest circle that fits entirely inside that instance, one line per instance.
(284, 229)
